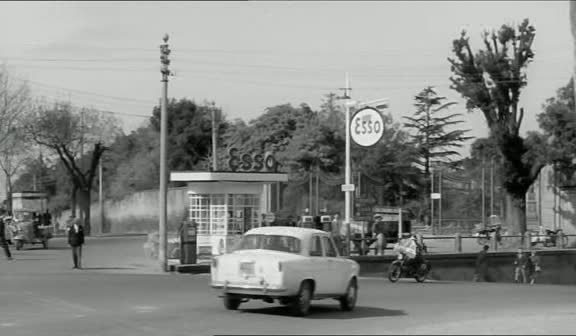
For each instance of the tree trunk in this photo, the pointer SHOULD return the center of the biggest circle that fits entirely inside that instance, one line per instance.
(73, 201)
(516, 213)
(8, 194)
(84, 206)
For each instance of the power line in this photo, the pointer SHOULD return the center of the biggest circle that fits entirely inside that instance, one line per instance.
(89, 93)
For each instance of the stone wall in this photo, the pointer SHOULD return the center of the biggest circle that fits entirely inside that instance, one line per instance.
(558, 266)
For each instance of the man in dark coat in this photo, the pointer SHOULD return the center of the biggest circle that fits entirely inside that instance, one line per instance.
(3, 241)
(481, 264)
(76, 240)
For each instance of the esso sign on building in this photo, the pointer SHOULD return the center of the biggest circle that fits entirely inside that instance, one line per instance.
(367, 127)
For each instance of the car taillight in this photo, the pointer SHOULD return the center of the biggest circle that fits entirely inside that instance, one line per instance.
(279, 266)
(214, 262)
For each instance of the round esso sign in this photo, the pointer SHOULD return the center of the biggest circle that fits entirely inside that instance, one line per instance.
(367, 127)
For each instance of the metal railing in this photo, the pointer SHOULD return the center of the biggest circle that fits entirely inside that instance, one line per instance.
(466, 243)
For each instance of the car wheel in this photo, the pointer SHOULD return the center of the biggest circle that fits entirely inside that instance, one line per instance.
(301, 305)
(348, 302)
(232, 302)
(394, 272)
(19, 244)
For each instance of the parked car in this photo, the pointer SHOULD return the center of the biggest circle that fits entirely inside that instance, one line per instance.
(292, 265)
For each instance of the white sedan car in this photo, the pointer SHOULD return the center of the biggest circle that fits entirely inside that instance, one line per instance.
(289, 264)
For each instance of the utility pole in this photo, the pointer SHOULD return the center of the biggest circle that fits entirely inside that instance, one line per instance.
(431, 200)
(440, 202)
(483, 194)
(214, 139)
(100, 195)
(491, 186)
(164, 52)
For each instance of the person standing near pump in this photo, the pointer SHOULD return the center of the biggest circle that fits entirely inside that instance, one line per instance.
(76, 240)
(3, 241)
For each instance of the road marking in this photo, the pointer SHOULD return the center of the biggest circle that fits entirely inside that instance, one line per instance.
(7, 324)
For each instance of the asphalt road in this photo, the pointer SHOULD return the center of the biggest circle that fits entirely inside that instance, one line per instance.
(120, 293)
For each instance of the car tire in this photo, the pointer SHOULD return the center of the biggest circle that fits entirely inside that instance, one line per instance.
(301, 304)
(232, 302)
(348, 302)
(394, 272)
(19, 244)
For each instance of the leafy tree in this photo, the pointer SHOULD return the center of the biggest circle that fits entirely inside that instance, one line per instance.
(274, 129)
(79, 138)
(133, 159)
(558, 121)
(189, 132)
(390, 166)
(491, 80)
(433, 141)
(432, 138)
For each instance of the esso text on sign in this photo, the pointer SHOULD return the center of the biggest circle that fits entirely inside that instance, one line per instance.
(367, 127)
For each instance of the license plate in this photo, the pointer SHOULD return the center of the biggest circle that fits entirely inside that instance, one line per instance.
(247, 268)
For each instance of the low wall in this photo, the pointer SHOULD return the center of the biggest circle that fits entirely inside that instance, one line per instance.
(558, 266)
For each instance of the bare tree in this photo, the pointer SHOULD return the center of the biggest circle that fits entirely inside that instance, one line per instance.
(79, 137)
(15, 151)
(14, 104)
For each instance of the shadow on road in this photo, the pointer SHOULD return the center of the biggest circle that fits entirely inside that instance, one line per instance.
(107, 268)
(330, 312)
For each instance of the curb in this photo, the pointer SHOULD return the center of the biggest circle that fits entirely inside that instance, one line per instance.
(106, 235)
(191, 268)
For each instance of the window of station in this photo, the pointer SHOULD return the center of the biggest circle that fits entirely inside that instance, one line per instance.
(209, 212)
(221, 214)
(243, 212)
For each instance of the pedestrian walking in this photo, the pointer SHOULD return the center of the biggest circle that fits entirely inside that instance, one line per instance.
(3, 241)
(535, 268)
(381, 242)
(76, 240)
(520, 267)
(481, 265)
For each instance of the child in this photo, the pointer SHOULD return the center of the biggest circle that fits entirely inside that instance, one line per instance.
(535, 267)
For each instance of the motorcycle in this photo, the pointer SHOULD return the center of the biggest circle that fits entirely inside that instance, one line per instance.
(401, 267)
(484, 236)
(550, 238)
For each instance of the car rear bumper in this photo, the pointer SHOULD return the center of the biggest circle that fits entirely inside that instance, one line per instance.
(250, 290)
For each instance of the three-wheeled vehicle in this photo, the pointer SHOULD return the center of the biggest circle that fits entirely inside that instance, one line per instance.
(29, 230)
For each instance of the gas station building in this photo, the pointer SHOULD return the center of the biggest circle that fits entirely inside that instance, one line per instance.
(224, 205)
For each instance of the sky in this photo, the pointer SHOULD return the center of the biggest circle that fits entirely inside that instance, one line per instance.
(247, 56)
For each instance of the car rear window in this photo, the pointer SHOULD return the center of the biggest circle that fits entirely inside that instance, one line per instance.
(270, 242)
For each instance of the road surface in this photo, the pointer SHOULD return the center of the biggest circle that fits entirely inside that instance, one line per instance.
(119, 294)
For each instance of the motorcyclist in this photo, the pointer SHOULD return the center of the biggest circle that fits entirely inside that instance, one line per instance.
(411, 252)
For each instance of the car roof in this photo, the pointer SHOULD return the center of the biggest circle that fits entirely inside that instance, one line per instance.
(297, 232)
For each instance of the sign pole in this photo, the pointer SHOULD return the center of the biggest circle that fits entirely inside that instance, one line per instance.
(348, 192)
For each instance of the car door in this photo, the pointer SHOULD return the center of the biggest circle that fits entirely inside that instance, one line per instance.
(320, 271)
(337, 267)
